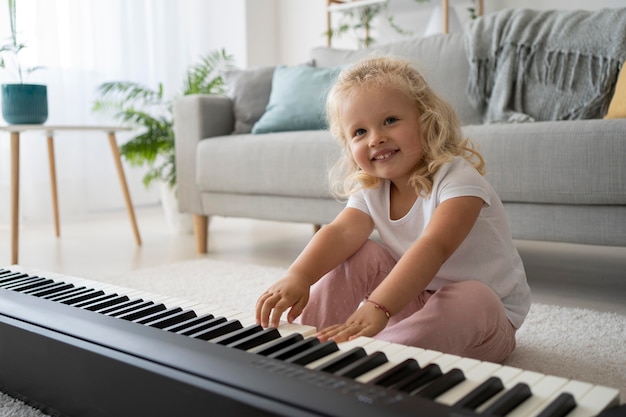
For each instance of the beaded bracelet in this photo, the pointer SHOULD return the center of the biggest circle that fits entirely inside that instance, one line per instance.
(380, 307)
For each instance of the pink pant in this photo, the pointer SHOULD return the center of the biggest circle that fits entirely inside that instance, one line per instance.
(464, 318)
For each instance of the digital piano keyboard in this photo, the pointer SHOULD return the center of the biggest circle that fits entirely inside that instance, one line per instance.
(74, 347)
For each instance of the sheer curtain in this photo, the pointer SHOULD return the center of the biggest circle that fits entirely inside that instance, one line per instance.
(82, 43)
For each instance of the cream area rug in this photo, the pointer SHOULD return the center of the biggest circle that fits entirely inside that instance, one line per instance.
(573, 343)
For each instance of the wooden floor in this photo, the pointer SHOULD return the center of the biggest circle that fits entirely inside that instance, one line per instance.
(103, 245)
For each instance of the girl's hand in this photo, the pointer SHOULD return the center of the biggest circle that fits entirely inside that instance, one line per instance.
(366, 321)
(283, 294)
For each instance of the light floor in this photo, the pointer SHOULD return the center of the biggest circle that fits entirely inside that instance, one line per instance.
(103, 245)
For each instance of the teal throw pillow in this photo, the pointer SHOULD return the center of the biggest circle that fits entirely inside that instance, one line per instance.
(297, 100)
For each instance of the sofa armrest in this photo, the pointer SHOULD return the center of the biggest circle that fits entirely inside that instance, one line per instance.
(196, 117)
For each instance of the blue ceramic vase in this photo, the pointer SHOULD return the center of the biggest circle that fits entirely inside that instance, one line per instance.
(24, 103)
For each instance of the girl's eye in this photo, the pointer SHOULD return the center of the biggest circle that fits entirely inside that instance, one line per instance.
(359, 132)
(390, 120)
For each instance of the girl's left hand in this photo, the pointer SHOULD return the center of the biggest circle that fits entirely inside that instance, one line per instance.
(366, 321)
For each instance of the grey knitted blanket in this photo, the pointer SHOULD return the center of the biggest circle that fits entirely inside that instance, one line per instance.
(530, 65)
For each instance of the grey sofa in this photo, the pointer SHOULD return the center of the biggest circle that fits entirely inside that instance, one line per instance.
(563, 183)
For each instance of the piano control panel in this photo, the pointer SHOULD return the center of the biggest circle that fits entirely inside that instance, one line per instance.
(100, 349)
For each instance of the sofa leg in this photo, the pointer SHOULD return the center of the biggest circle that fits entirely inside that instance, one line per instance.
(200, 229)
(316, 228)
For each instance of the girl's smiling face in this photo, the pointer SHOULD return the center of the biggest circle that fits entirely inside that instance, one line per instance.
(381, 126)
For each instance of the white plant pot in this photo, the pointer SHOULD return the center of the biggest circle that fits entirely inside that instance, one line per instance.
(177, 222)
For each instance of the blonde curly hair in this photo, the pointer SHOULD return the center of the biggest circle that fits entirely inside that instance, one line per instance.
(440, 133)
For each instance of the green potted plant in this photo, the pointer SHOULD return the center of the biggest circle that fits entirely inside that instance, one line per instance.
(22, 103)
(150, 114)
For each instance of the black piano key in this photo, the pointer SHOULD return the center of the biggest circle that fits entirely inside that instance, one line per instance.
(41, 287)
(342, 360)
(203, 325)
(418, 379)
(12, 279)
(395, 374)
(257, 339)
(6, 272)
(363, 365)
(279, 344)
(172, 319)
(141, 312)
(59, 298)
(24, 282)
(238, 334)
(132, 305)
(314, 353)
(158, 315)
(560, 406)
(118, 308)
(294, 349)
(442, 384)
(37, 283)
(487, 389)
(82, 297)
(509, 400)
(66, 293)
(99, 305)
(53, 289)
(217, 331)
(188, 323)
(94, 300)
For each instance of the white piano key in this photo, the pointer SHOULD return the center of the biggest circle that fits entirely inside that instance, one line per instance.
(594, 401)
(396, 354)
(343, 347)
(527, 377)
(576, 388)
(473, 378)
(375, 345)
(447, 362)
(285, 329)
(505, 374)
(543, 393)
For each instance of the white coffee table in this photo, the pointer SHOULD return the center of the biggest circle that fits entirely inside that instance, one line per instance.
(15, 131)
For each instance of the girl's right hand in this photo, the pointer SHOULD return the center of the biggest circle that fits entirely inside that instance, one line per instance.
(289, 292)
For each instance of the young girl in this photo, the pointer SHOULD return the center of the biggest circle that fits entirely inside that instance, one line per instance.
(446, 275)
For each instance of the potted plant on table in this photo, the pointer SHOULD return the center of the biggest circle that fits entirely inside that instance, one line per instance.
(150, 114)
(21, 103)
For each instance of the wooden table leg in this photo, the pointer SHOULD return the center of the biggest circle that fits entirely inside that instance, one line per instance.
(200, 228)
(120, 173)
(15, 195)
(53, 185)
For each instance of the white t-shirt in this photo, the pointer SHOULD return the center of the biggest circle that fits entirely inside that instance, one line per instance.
(487, 254)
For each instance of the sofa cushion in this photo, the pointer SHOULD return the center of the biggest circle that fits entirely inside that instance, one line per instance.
(250, 91)
(579, 162)
(297, 99)
(441, 59)
(280, 164)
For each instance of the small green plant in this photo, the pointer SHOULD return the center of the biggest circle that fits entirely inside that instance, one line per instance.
(11, 51)
(359, 20)
(148, 112)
